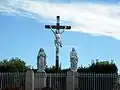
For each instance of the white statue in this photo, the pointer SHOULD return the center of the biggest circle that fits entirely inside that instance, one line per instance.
(57, 34)
(41, 61)
(73, 60)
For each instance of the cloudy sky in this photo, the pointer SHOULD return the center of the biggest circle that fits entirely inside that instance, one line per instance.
(95, 29)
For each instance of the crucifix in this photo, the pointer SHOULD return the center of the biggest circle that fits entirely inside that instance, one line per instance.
(57, 33)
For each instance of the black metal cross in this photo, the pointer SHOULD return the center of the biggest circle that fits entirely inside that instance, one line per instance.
(57, 27)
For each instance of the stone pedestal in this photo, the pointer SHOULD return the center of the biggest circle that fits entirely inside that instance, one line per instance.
(29, 82)
(71, 80)
(40, 80)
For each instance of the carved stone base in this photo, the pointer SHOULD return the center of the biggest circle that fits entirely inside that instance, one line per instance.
(41, 71)
(73, 70)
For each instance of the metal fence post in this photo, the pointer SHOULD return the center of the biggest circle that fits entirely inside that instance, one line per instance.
(29, 82)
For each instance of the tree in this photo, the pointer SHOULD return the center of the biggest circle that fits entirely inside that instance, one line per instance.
(103, 67)
(13, 65)
(16, 76)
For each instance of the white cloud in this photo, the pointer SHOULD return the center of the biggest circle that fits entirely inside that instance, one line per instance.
(95, 19)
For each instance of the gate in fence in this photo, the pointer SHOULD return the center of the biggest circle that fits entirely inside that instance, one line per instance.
(56, 81)
(12, 81)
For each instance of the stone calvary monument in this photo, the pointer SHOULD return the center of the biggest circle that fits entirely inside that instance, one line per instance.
(41, 58)
(45, 81)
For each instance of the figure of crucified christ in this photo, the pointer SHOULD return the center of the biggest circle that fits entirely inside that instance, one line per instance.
(57, 34)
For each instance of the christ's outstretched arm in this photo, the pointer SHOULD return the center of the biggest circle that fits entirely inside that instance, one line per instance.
(52, 30)
(62, 31)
